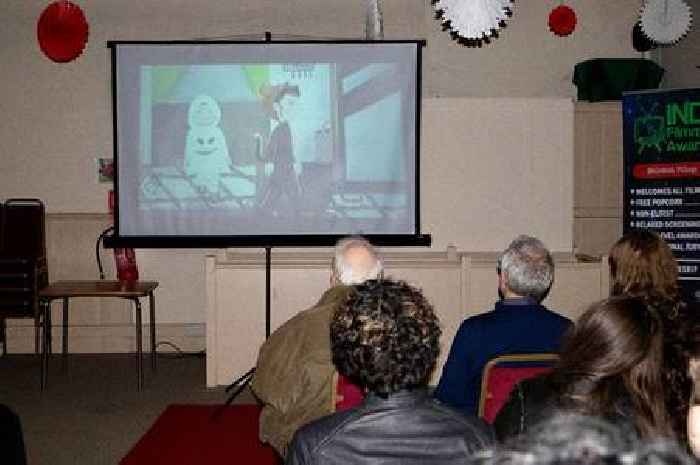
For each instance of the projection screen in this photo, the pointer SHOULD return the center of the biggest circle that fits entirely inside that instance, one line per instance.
(266, 143)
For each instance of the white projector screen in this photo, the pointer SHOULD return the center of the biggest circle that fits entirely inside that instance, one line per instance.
(266, 143)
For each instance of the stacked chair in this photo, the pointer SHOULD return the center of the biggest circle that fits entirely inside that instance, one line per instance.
(23, 266)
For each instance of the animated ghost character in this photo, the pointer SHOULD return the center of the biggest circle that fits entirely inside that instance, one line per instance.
(206, 151)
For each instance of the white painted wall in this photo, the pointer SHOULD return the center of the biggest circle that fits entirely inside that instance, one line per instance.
(57, 117)
(682, 60)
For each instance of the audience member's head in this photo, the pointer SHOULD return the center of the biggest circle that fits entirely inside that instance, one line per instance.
(526, 269)
(682, 368)
(611, 365)
(355, 261)
(642, 264)
(574, 439)
(385, 337)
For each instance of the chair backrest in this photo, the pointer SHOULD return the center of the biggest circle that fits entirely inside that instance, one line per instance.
(503, 372)
(347, 394)
(23, 229)
(23, 268)
(2, 226)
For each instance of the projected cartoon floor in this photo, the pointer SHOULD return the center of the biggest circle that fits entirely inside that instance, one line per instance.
(270, 142)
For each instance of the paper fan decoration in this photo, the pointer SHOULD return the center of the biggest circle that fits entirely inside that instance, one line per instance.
(665, 21)
(562, 21)
(640, 41)
(473, 22)
(62, 31)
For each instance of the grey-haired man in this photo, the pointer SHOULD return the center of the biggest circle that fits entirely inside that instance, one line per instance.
(518, 324)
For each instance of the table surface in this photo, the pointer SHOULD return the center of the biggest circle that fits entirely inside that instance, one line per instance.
(98, 288)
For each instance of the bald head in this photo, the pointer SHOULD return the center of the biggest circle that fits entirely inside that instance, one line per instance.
(355, 262)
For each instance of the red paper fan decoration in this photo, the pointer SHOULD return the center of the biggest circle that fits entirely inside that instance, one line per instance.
(62, 31)
(562, 21)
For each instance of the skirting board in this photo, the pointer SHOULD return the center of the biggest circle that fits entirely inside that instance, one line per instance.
(188, 337)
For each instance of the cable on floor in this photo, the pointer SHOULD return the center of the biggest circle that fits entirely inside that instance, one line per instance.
(179, 353)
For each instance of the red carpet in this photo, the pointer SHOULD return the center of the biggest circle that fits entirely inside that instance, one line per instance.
(188, 435)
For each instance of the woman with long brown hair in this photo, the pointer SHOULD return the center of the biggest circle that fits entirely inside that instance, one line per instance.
(642, 265)
(610, 366)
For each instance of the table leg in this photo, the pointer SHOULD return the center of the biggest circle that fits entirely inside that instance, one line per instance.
(139, 344)
(152, 302)
(47, 334)
(65, 332)
(3, 336)
(46, 312)
(38, 345)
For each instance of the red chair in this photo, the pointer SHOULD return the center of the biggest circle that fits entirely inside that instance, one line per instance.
(347, 395)
(503, 372)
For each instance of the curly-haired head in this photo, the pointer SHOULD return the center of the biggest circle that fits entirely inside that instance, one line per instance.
(385, 337)
(642, 265)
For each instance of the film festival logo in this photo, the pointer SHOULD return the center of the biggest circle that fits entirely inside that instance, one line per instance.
(678, 128)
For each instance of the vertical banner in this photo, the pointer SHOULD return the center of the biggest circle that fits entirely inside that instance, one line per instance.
(662, 174)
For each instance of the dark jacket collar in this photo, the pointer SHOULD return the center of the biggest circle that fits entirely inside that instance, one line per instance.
(516, 302)
(403, 398)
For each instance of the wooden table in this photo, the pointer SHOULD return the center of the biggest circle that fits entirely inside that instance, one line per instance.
(125, 290)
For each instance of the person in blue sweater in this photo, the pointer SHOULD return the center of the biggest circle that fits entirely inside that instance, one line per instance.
(518, 324)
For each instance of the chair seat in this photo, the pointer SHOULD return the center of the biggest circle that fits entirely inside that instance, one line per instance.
(503, 372)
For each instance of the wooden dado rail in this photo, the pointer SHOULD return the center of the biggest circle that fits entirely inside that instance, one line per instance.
(458, 284)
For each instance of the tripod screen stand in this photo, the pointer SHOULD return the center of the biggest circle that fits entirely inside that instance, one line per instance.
(239, 384)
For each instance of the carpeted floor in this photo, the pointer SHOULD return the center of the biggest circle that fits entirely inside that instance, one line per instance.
(203, 434)
(92, 413)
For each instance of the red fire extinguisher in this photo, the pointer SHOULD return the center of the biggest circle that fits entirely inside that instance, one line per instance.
(125, 258)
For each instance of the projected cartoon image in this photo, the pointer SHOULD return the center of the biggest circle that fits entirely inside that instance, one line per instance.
(272, 148)
(206, 151)
(279, 103)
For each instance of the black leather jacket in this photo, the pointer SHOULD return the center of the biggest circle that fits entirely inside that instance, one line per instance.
(406, 428)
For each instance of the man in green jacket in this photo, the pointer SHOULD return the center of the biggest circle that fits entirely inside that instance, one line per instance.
(294, 377)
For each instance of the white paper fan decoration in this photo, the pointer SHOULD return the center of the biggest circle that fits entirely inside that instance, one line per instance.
(473, 22)
(665, 21)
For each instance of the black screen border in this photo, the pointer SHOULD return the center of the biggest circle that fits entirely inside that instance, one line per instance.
(289, 240)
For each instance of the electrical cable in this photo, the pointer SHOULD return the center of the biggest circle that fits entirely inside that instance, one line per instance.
(179, 352)
(100, 238)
